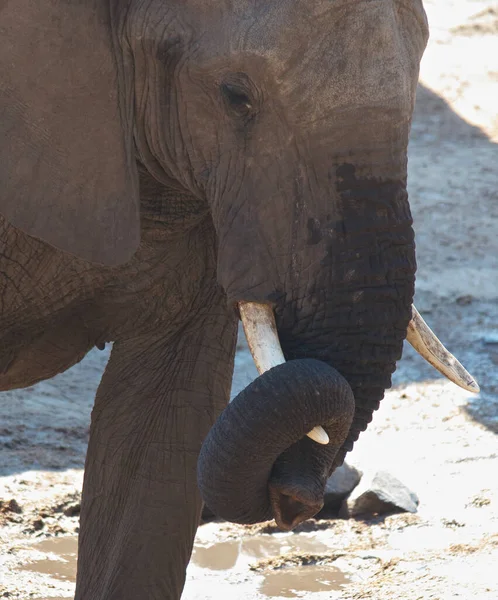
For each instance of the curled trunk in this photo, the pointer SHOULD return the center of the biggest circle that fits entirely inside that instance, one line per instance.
(354, 310)
(255, 463)
(343, 302)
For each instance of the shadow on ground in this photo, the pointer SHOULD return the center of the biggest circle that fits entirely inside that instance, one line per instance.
(457, 278)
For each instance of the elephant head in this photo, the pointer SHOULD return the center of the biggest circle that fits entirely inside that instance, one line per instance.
(287, 123)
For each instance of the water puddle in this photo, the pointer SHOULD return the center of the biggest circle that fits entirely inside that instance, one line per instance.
(221, 556)
(289, 583)
(61, 560)
(224, 566)
(233, 560)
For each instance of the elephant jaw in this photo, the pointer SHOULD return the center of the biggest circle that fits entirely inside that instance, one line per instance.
(262, 337)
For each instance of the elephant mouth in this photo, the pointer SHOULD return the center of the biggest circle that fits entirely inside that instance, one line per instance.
(270, 453)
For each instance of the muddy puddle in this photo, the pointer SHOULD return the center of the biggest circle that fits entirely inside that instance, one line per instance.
(60, 558)
(263, 566)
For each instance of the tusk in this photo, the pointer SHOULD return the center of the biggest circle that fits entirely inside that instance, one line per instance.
(425, 342)
(261, 334)
(319, 435)
(262, 338)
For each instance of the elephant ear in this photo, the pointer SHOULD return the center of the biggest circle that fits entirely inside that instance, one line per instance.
(67, 170)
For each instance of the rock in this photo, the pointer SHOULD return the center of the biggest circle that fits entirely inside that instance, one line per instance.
(38, 524)
(464, 300)
(339, 485)
(382, 494)
(73, 509)
(10, 506)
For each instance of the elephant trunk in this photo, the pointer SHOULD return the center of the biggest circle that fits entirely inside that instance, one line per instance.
(341, 317)
(356, 313)
(259, 439)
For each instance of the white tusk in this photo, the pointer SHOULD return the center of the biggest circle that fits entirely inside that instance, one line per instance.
(425, 342)
(319, 435)
(261, 334)
(262, 338)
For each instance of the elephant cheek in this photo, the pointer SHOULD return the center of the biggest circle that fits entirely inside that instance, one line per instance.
(255, 464)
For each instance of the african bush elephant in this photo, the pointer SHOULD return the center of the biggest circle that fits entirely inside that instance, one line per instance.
(165, 167)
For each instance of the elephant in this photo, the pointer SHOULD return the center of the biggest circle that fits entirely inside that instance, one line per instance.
(168, 168)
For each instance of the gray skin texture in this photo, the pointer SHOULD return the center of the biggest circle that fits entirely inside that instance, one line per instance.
(161, 161)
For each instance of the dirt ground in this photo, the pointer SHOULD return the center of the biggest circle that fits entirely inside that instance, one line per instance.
(438, 439)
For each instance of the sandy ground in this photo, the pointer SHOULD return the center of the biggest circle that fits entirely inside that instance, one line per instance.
(438, 439)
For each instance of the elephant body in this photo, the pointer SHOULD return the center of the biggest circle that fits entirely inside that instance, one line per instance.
(56, 307)
(162, 162)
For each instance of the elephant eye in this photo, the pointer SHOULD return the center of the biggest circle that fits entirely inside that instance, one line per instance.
(236, 99)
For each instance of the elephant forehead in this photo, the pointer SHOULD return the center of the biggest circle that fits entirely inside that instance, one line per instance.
(350, 52)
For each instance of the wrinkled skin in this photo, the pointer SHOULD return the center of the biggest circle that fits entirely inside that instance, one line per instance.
(258, 151)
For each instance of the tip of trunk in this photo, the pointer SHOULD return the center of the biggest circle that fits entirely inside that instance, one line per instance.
(292, 508)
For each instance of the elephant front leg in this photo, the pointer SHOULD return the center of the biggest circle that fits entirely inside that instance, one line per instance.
(141, 506)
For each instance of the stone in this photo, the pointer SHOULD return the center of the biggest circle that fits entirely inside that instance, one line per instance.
(10, 506)
(464, 300)
(73, 509)
(379, 495)
(38, 524)
(339, 485)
